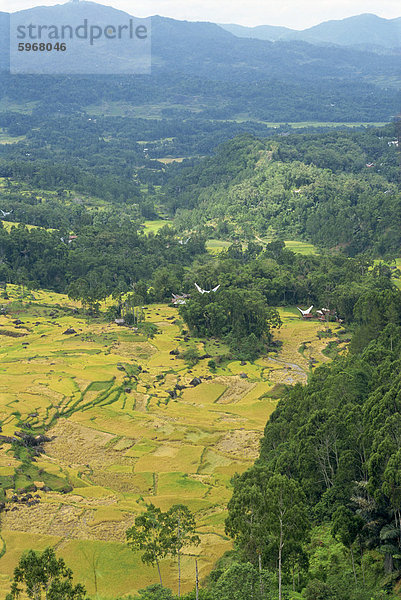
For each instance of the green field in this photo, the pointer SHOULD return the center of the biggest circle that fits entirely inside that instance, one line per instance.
(301, 247)
(307, 124)
(9, 139)
(216, 246)
(154, 226)
(8, 225)
(120, 440)
(396, 280)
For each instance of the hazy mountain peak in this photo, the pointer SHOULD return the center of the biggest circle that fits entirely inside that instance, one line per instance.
(366, 29)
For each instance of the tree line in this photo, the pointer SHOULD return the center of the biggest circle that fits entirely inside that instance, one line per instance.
(112, 257)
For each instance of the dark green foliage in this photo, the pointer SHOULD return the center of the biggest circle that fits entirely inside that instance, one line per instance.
(338, 438)
(100, 261)
(241, 581)
(241, 317)
(155, 592)
(319, 590)
(314, 187)
(191, 356)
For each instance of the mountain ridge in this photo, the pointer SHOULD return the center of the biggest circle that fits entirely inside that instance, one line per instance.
(205, 49)
(366, 29)
(225, 76)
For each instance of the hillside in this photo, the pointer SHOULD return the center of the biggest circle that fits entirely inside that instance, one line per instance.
(200, 313)
(198, 69)
(337, 190)
(205, 49)
(119, 439)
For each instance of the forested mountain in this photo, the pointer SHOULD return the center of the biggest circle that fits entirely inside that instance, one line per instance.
(339, 190)
(198, 69)
(195, 47)
(205, 49)
(361, 30)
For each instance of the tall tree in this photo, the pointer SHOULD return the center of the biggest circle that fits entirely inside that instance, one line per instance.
(346, 527)
(268, 514)
(178, 532)
(147, 535)
(246, 519)
(286, 517)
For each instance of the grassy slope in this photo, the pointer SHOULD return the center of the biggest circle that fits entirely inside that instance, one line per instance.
(120, 449)
(216, 246)
(154, 226)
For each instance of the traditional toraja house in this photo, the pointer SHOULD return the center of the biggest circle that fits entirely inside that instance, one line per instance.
(177, 300)
(324, 314)
(306, 314)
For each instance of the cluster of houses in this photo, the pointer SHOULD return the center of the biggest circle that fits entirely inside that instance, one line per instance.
(324, 314)
(177, 300)
(182, 299)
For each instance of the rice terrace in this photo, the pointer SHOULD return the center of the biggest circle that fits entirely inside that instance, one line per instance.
(127, 427)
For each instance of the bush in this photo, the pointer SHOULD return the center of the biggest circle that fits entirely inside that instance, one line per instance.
(318, 590)
(191, 356)
(155, 592)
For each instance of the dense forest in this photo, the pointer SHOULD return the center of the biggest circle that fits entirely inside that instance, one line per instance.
(266, 100)
(335, 444)
(338, 190)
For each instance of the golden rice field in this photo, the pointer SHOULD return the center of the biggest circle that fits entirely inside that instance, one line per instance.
(120, 441)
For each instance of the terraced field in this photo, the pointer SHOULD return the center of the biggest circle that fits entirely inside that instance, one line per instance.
(128, 427)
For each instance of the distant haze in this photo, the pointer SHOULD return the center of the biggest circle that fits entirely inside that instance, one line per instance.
(297, 14)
